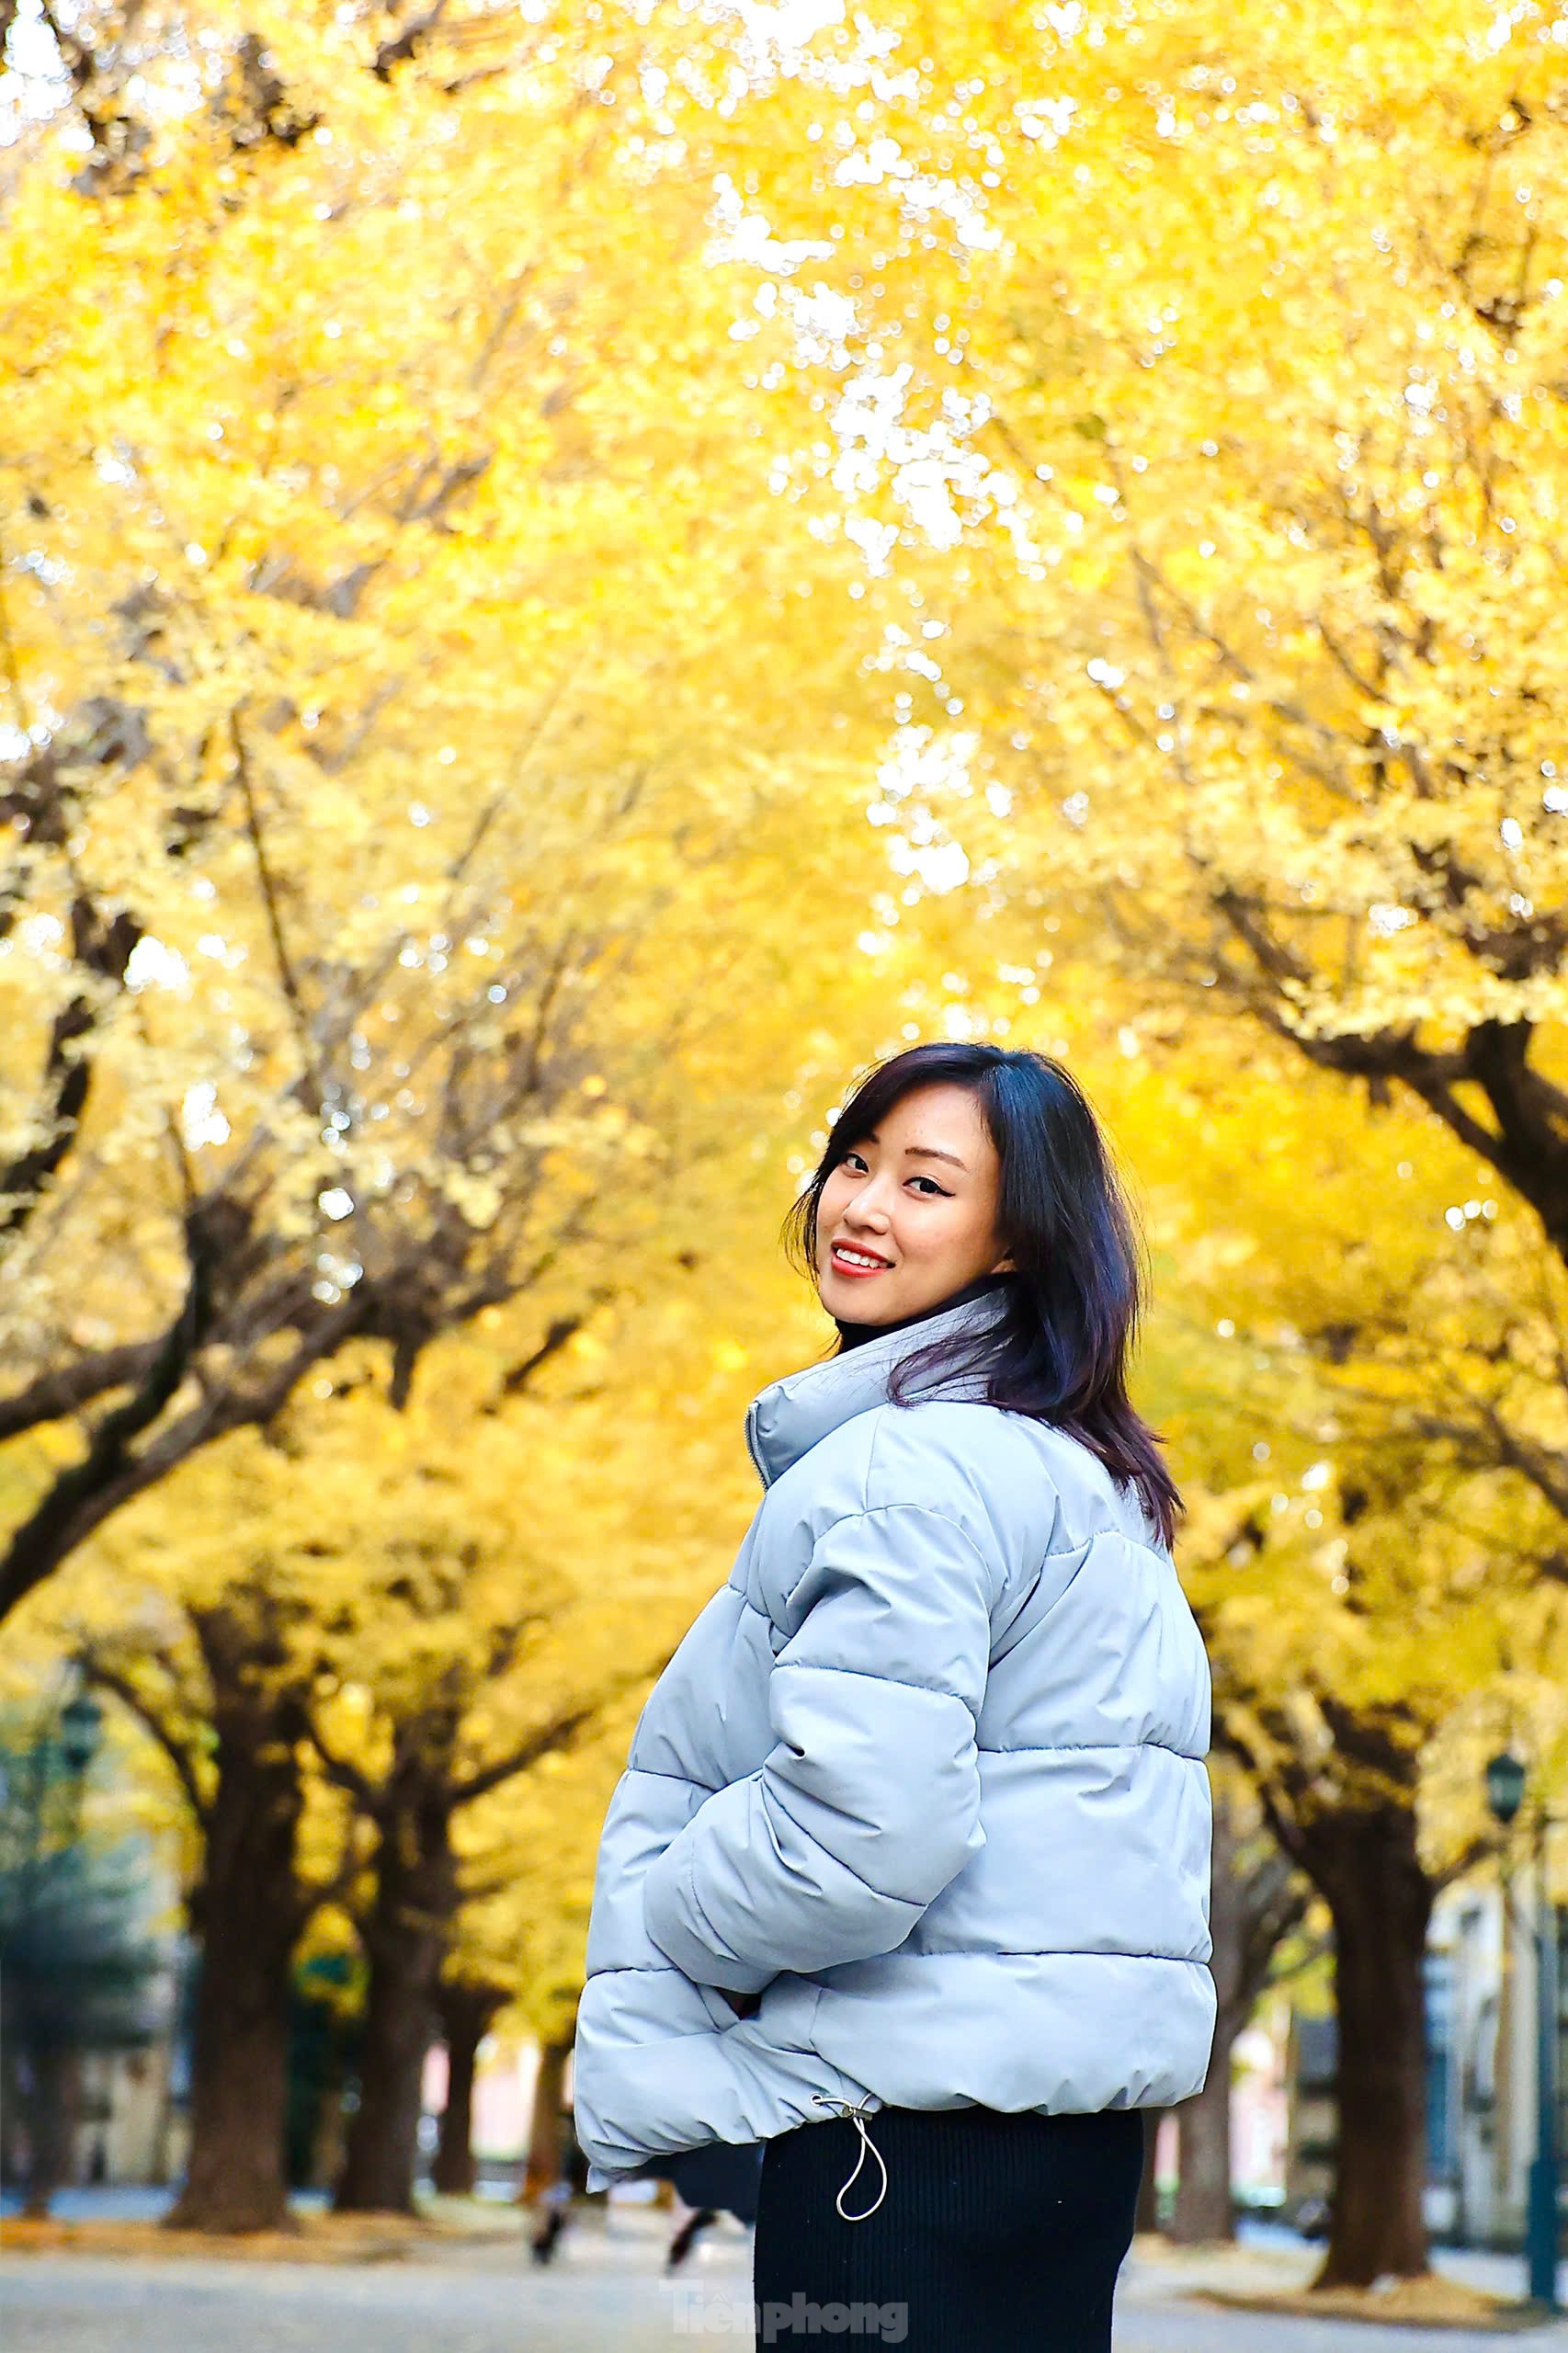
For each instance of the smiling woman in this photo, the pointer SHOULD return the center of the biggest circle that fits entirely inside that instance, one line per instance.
(962, 1168)
(908, 1213)
(914, 1832)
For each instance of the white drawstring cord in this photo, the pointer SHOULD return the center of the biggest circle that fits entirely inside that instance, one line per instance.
(857, 2118)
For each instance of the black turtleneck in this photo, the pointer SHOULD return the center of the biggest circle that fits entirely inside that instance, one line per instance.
(851, 1335)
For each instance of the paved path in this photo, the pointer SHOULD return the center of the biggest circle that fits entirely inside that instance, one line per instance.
(603, 2294)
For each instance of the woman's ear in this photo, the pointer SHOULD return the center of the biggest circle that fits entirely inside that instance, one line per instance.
(1003, 1266)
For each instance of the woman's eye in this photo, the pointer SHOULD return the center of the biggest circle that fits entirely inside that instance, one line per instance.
(858, 1166)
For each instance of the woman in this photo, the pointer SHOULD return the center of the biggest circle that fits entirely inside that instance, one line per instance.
(908, 1875)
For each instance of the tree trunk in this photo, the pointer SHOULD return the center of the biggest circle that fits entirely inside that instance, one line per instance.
(1147, 2217)
(465, 2014)
(1203, 2210)
(52, 2108)
(13, 2102)
(543, 2168)
(246, 1914)
(1366, 1866)
(406, 1939)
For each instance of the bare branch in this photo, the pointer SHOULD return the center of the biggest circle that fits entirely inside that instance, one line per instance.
(101, 948)
(41, 1538)
(109, 1475)
(344, 1773)
(317, 1896)
(555, 1339)
(180, 1753)
(558, 1734)
(52, 1395)
(1503, 1446)
(287, 975)
(398, 52)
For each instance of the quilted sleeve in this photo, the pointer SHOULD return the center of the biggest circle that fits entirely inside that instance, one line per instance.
(869, 1803)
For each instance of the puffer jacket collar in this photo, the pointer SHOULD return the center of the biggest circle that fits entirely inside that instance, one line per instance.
(788, 1418)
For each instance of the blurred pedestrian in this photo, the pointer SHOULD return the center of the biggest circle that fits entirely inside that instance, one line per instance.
(914, 1830)
(724, 2177)
(555, 2198)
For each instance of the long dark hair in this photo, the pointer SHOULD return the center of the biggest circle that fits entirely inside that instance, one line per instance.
(1073, 1309)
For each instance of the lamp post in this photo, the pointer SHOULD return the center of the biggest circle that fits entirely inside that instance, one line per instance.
(1504, 1794)
(81, 1721)
(62, 1746)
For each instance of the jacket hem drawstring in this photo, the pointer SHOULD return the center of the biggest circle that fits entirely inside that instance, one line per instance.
(857, 2115)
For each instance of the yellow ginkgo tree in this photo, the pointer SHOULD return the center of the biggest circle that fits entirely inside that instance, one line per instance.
(401, 778)
(1197, 383)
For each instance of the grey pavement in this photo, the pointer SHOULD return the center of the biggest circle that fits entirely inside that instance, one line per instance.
(605, 2290)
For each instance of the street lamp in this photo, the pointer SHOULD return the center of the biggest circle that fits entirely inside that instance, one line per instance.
(81, 1720)
(1505, 1795)
(1504, 1787)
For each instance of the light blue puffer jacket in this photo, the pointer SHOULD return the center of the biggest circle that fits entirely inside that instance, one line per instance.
(926, 1773)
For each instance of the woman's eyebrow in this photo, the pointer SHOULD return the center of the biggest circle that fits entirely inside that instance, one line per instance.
(920, 1151)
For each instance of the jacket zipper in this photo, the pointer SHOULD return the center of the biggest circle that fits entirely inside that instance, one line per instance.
(751, 1444)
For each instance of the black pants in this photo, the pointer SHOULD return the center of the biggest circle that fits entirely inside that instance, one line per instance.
(998, 2233)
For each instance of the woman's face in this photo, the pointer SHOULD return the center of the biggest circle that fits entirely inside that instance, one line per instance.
(920, 1198)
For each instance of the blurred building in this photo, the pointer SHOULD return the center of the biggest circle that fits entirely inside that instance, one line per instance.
(1312, 2140)
(1481, 2009)
(130, 2107)
(504, 2086)
(1260, 2108)
(1481, 2071)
